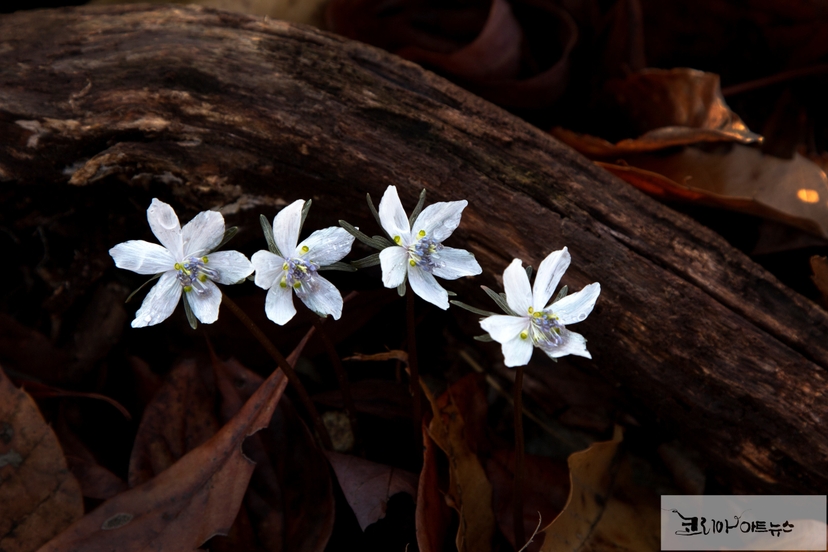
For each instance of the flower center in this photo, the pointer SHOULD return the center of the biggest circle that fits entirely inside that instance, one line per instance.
(193, 272)
(546, 330)
(425, 253)
(298, 272)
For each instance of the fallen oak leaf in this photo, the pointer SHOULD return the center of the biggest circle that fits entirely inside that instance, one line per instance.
(39, 496)
(183, 506)
(368, 485)
(604, 509)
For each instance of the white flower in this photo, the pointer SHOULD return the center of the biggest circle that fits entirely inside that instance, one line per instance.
(297, 270)
(420, 252)
(185, 262)
(535, 323)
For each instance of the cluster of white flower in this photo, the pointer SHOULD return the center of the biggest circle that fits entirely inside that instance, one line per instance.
(187, 263)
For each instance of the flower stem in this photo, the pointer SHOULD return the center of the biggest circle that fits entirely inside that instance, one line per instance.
(517, 502)
(413, 366)
(341, 375)
(274, 353)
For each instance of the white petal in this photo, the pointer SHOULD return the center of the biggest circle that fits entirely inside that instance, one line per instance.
(516, 286)
(549, 275)
(576, 307)
(205, 305)
(279, 304)
(424, 285)
(202, 234)
(321, 297)
(286, 227)
(516, 352)
(268, 268)
(392, 216)
(394, 263)
(573, 344)
(160, 302)
(455, 263)
(232, 266)
(142, 257)
(164, 224)
(504, 328)
(439, 220)
(326, 246)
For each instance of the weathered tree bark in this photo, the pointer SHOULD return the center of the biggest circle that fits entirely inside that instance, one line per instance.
(210, 109)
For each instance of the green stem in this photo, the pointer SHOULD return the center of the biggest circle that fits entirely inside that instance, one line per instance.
(517, 503)
(341, 375)
(294, 380)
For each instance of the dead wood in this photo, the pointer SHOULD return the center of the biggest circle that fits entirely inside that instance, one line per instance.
(104, 108)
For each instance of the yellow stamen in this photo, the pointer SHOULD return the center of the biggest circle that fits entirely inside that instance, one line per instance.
(412, 262)
(204, 259)
(305, 249)
(285, 266)
(524, 335)
(537, 314)
(188, 288)
(397, 240)
(283, 283)
(421, 233)
(297, 285)
(202, 277)
(177, 266)
(531, 310)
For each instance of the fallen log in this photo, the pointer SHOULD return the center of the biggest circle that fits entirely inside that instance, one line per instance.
(208, 109)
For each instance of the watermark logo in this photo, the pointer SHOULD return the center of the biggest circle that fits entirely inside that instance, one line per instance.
(743, 522)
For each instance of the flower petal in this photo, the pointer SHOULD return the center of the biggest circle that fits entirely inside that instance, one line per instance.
(576, 307)
(142, 257)
(268, 268)
(279, 304)
(573, 344)
(392, 216)
(160, 302)
(504, 328)
(516, 286)
(326, 246)
(549, 275)
(164, 224)
(424, 285)
(205, 304)
(286, 227)
(439, 220)
(232, 266)
(455, 263)
(321, 297)
(202, 234)
(394, 263)
(516, 352)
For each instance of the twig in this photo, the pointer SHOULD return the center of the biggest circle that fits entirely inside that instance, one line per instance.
(413, 367)
(274, 353)
(534, 533)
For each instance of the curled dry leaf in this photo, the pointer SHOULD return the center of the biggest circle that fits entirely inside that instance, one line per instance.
(368, 485)
(39, 496)
(432, 515)
(513, 54)
(183, 506)
(605, 509)
(470, 492)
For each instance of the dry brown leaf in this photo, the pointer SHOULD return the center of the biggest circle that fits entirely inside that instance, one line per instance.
(432, 515)
(39, 496)
(368, 485)
(605, 510)
(819, 265)
(470, 492)
(194, 499)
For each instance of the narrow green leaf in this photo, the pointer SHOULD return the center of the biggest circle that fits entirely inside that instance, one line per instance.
(373, 209)
(305, 208)
(142, 286)
(190, 316)
(485, 338)
(561, 294)
(229, 234)
(451, 293)
(370, 260)
(385, 242)
(500, 300)
(475, 310)
(529, 271)
(419, 207)
(268, 234)
(360, 236)
(343, 267)
(401, 289)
